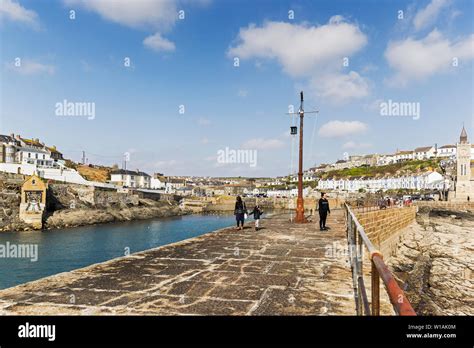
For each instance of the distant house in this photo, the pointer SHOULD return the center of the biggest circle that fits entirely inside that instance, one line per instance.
(130, 178)
(8, 148)
(54, 153)
(447, 151)
(172, 184)
(158, 181)
(402, 156)
(16, 149)
(184, 191)
(423, 153)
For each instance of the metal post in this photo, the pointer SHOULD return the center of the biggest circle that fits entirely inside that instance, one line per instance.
(299, 202)
(375, 290)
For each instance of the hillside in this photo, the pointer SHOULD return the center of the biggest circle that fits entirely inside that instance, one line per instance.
(403, 168)
(95, 173)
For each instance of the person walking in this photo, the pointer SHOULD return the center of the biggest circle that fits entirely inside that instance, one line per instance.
(324, 210)
(239, 212)
(256, 212)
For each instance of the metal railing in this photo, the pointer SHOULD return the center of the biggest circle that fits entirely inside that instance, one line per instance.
(357, 240)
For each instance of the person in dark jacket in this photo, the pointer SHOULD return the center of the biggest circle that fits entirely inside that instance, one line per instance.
(239, 212)
(256, 212)
(323, 208)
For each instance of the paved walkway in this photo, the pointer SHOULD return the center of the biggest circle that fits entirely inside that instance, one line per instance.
(283, 269)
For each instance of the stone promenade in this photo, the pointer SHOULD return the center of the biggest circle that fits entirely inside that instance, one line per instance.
(283, 269)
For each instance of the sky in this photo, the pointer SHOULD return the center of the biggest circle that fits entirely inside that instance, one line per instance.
(175, 85)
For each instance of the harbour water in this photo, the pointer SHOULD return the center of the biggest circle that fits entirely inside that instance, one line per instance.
(68, 249)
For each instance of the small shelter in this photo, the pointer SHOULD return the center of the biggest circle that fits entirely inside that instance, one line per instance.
(33, 201)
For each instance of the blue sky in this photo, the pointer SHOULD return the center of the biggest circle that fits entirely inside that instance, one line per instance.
(190, 61)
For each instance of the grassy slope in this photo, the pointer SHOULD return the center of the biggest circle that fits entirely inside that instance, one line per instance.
(408, 167)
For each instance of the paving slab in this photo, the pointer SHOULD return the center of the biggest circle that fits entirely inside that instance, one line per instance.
(282, 269)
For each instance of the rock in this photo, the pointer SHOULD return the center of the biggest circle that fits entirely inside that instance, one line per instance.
(437, 264)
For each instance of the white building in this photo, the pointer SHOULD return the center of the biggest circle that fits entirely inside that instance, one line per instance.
(15, 149)
(402, 156)
(172, 184)
(385, 160)
(423, 153)
(8, 147)
(421, 181)
(130, 178)
(447, 151)
(158, 182)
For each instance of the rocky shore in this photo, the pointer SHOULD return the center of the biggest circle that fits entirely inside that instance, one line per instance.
(80, 217)
(435, 262)
(70, 205)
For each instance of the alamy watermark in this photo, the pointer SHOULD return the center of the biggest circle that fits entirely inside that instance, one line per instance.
(337, 250)
(68, 108)
(240, 156)
(403, 109)
(19, 251)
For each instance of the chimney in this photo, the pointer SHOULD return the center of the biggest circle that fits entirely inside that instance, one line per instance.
(12, 135)
(18, 136)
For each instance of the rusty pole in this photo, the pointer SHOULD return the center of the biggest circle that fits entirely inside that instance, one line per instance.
(300, 202)
(375, 290)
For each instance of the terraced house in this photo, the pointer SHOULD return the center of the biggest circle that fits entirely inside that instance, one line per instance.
(428, 180)
(16, 149)
(130, 178)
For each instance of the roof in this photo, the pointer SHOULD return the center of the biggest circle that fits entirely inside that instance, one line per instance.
(463, 136)
(405, 152)
(53, 149)
(32, 142)
(7, 139)
(176, 181)
(341, 161)
(447, 146)
(128, 172)
(423, 149)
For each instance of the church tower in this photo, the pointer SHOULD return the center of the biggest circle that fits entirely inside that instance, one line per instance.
(463, 174)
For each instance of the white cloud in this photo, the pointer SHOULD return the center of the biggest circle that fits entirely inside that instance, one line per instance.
(341, 128)
(13, 11)
(263, 144)
(158, 43)
(340, 87)
(31, 67)
(299, 48)
(352, 145)
(418, 59)
(428, 15)
(313, 53)
(159, 16)
(153, 14)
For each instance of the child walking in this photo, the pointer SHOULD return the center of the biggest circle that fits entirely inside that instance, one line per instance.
(257, 212)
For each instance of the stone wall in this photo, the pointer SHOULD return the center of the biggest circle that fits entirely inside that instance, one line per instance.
(10, 198)
(447, 205)
(384, 227)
